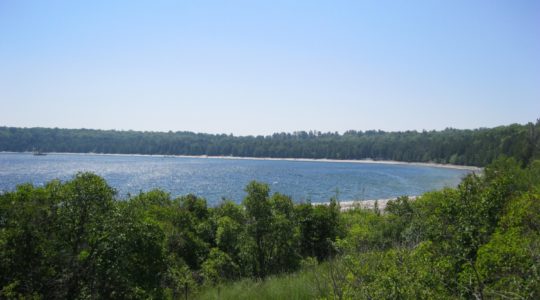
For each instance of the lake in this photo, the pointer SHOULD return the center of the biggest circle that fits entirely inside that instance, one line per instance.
(217, 178)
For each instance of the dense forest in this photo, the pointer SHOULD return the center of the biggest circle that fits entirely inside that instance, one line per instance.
(476, 147)
(75, 240)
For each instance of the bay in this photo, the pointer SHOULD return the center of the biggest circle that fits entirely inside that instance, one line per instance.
(218, 178)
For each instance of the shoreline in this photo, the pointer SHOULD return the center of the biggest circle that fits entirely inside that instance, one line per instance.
(364, 204)
(358, 161)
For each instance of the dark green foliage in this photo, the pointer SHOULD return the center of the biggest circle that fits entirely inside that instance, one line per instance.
(320, 225)
(272, 231)
(480, 240)
(283, 255)
(476, 147)
(75, 240)
(509, 264)
(219, 267)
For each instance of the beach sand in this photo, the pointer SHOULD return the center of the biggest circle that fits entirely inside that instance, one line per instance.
(360, 161)
(364, 204)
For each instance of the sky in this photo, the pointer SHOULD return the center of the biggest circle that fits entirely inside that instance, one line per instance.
(258, 67)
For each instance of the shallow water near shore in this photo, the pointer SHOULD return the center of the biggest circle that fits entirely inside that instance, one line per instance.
(216, 178)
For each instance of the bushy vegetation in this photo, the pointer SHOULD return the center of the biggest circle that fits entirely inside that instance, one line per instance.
(476, 147)
(75, 240)
(480, 240)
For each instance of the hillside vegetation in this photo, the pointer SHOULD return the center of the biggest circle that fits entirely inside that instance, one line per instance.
(476, 147)
(478, 241)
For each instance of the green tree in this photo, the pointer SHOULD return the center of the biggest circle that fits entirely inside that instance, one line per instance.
(72, 240)
(258, 221)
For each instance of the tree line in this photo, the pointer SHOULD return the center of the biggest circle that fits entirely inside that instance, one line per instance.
(476, 147)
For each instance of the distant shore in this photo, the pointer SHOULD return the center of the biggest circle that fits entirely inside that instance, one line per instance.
(359, 161)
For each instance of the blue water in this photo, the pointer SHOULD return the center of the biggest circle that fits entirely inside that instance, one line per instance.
(215, 178)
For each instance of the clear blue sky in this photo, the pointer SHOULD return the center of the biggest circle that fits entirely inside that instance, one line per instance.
(257, 67)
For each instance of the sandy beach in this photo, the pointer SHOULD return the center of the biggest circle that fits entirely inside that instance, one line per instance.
(364, 204)
(360, 161)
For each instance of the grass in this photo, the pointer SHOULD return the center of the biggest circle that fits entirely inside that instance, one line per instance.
(299, 285)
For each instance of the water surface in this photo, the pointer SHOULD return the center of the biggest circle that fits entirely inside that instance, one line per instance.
(215, 178)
